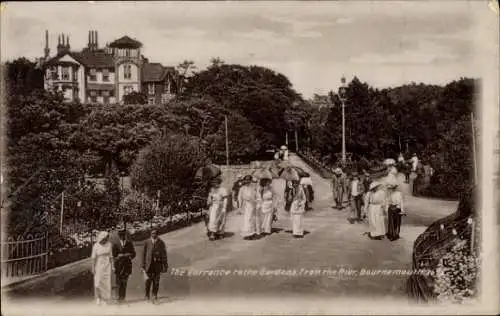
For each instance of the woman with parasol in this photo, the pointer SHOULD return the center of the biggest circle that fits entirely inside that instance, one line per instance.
(217, 207)
(395, 211)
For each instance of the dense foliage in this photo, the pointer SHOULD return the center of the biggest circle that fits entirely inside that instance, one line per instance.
(424, 119)
(168, 167)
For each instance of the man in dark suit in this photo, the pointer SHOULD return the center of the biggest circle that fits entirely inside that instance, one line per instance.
(123, 253)
(154, 262)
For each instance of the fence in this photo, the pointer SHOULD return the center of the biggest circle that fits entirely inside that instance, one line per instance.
(23, 256)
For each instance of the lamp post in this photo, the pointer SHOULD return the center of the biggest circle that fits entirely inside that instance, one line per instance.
(342, 97)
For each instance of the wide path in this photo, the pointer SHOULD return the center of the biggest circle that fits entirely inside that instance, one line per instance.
(331, 244)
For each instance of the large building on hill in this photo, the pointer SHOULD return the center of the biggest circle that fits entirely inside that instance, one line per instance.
(107, 74)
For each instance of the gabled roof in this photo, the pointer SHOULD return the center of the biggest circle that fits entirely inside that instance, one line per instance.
(154, 72)
(96, 59)
(126, 42)
(55, 59)
(88, 58)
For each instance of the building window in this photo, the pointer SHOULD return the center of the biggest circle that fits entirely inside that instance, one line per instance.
(151, 88)
(105, 75)
(127, 71)
(65, 73)
(93, 75)
(128, 89)
(165, 97)
(105, 99)
(127, 53)
(151, 100)
(53, 73)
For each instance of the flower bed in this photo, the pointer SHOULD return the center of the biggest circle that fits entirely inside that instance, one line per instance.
(79, 245)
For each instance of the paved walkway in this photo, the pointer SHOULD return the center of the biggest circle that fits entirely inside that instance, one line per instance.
(331, 244)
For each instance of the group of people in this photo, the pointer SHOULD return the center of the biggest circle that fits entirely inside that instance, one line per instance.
(371, 199)
(258, 200)
(116, 257)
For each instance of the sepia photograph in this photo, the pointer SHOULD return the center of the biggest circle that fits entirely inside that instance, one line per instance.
(250, 157)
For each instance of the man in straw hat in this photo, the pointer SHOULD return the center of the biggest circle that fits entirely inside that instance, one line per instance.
(123, 254)
(154, 262)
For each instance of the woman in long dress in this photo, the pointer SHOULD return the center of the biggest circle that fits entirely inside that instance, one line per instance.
(375, 208)
(102, 267)
(247, 202)
(217, 203)
(265, 205)
(297, 209)
(395, 211)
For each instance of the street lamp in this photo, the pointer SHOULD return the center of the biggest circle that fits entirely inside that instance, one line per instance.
(342, 97)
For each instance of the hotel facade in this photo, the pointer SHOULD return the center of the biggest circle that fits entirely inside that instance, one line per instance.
(105, 75)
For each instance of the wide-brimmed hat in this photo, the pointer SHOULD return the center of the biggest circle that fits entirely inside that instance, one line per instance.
(375, 184)
(247, 178)
(102, 235)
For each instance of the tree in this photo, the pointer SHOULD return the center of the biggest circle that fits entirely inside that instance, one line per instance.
(259, 94)
(216, 62)
(40, 159)
(23, 76)
(118, 132)
(242, 138)
(169, 165)
(135, 97)
(185, 70)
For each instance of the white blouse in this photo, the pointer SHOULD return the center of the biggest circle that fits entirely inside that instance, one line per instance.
(396, 198)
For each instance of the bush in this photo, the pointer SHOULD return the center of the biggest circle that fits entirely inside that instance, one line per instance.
(169, 166)
(456, 275)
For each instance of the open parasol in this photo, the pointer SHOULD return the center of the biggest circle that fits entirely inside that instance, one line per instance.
(389, 162)
(378, 172)
(208, 172)
(300, 172)
(262, 174)
(289, 174)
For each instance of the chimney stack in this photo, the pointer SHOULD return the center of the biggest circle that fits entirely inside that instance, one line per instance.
(47, 49)
(67, 42)
(96, 42)
(90, 39)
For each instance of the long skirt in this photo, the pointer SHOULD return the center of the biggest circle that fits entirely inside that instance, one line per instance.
(267, 220)
(257, 221)
(215, 218)
(376, 220)
(297, 224)
(102, 278)
(394, 223)
(248, 228)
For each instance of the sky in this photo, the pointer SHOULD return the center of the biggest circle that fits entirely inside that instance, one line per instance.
(384, 43)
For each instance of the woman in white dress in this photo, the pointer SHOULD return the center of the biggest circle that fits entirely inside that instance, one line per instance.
(102, 267)
(217, 207)
(247, 197)
(375, 208)
(265, 205)
(297, 209)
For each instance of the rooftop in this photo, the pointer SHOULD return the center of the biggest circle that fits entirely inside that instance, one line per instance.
(126, 42)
